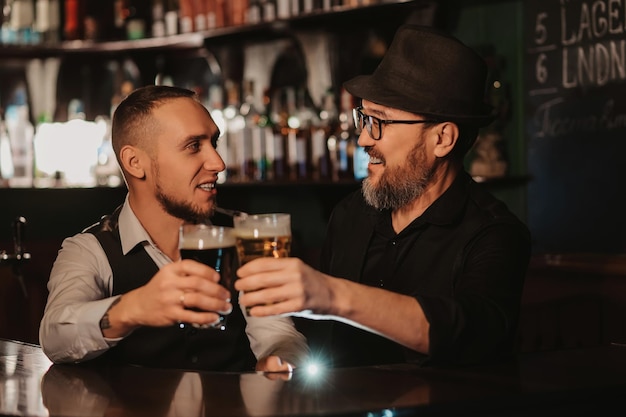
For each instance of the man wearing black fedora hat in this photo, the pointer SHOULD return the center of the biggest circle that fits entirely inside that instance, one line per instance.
(422, 265)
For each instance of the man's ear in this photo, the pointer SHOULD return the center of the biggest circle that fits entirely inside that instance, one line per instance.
(448, 135)
(132, 161)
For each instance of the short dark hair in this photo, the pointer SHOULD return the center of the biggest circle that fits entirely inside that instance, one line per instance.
(130, 119)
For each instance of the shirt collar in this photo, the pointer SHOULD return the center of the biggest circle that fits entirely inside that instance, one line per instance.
(131, 231)
(450, 204)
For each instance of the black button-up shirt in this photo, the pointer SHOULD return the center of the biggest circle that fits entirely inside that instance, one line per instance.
(464, 260)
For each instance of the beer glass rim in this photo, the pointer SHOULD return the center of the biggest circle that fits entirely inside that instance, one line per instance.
(262, 224)
(261, 215)
(216, 233)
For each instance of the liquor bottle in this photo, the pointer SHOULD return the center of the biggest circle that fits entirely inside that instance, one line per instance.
(6, 156)
(21, 135)
(48, 20)
(235, 12)
(268, 10)
(346, 137)
(278, 144)
(139, 19)
(186, 16)
(293, 139)
(200, 13)
(158, 18)
(234, 133)
(308, 118)
(324, 125)
(283, 9)
(216, 13)
(253, 152)
(216, 108)
(267, 126)
(253, 14)
(22, 20)
(170, 16)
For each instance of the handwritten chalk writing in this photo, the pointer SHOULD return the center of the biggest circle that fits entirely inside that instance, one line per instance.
(596, 20)
(596, 64)
(552, 122)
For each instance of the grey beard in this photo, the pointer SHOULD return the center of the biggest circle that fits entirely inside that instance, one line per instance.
(391, 196)
(401, 186)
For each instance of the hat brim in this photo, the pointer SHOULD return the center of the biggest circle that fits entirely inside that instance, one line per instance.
(368, 88)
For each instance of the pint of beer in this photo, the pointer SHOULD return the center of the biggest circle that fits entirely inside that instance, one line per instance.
(262, 235)
(213, 246)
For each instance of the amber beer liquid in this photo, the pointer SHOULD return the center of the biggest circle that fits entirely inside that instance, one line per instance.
(213, 246)
(262, 235)
(249, 248)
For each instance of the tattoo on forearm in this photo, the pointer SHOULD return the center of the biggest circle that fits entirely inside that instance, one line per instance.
(104, 321)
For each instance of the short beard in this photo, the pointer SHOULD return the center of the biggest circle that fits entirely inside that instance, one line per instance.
(180, 209)
(400, 186)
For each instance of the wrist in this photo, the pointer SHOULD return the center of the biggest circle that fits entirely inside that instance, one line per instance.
(340, 304)
(105, 321)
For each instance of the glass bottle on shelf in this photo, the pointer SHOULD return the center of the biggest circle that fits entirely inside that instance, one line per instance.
(266, 124)
(308, 118)
(216, 10)
(323, 128)
(253, 14)
(170, 17)
(216, 109)
(234, 133)
(199, 11)
(6, 156)
(185, 16)
(22, 21)
(48, 20)
(235, 12)
(283, 9)
(21, 134)
(268, 10)
(158, 18)
(346, 137)
(278, 144)
(293, 137)
(251, 152)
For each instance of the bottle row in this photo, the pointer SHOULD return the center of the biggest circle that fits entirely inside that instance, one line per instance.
(289, 139)
(286, 139)
(50, 21)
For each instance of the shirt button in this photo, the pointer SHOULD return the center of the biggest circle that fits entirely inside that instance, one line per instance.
(393, 243)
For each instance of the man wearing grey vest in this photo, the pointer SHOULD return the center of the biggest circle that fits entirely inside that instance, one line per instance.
(119, 292)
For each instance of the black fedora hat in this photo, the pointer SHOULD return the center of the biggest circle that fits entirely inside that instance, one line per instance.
(429, 72)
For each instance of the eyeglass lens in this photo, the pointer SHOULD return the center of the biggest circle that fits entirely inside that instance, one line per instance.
(371, 123)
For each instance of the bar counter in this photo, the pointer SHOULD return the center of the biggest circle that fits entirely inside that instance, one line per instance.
(574, 382)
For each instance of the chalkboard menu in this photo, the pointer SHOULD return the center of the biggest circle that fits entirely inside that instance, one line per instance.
(575, 106)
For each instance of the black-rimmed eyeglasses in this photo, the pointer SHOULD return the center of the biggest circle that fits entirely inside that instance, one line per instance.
(374, 125)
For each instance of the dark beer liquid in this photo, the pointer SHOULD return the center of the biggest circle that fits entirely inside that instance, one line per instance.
(220, 259)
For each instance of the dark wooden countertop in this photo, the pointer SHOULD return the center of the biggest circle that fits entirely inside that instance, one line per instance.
(573, 382)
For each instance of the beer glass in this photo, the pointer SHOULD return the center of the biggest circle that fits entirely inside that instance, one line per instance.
(262, 235)
(213, 246)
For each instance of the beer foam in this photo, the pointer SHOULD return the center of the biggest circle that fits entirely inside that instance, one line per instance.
(206, 239)
(263, 225)
(204, 243)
